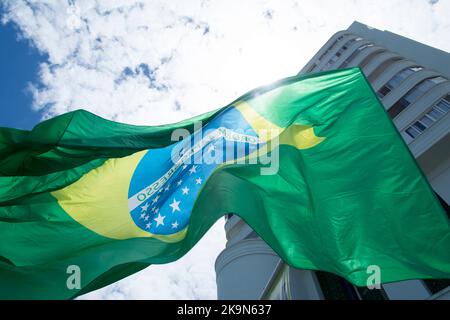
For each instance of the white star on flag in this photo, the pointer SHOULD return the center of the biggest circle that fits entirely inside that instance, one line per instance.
(193, 170)
(159, 219)
(175, 205)
(145, 207)
(185, 190)
(198, 181)
(146, 218)
(167, 188)
(179, 182)
(143, 215)
(175, 225)
(155, 200)
(148, 225)
(184, 166)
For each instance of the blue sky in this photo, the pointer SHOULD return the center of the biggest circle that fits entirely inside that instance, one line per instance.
(155, 62)
(19, 66)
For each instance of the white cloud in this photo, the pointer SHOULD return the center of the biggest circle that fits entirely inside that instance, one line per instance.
(191, 277)
(154, 62)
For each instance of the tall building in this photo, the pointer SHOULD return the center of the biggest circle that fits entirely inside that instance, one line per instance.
(412, 82)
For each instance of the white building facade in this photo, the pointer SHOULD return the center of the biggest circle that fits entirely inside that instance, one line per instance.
(412, 82)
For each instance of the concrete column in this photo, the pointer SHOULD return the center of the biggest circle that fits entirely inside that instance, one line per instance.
(244, 268)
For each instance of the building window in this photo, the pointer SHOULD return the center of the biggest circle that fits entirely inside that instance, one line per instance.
(428, 119)
(444, 104)
(381, 68)
(340, 52)
(367, 59)
(331, 47)
(436, 285)
(445, 206)
(354, 54)
(383, 91)
(329, 63)
(311, 68)
(371, 294)
(413, 95)
(396, 80)
(331, 286)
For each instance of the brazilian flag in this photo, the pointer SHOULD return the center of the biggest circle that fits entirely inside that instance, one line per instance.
(312, 163)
